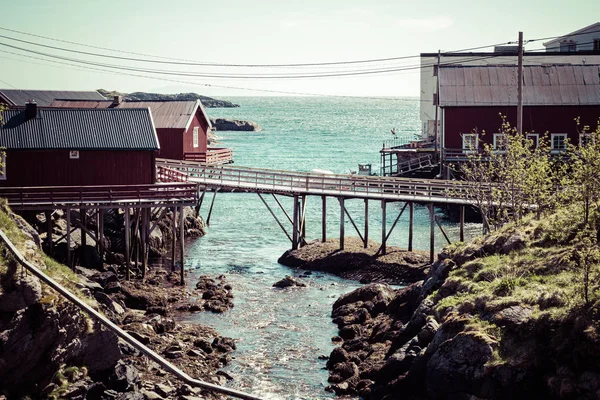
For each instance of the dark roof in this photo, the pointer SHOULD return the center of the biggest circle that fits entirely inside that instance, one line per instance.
(496, 85)
(172, 114)
(526, 54)
(18, 97)
(79, 129)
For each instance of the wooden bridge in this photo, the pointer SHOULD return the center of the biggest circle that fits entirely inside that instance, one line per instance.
(299, 185)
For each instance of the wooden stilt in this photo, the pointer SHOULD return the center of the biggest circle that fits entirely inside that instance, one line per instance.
(354, 225)
(174, 241)
(197, 208)
(144, 240)
(135, 240)
(282, 209)
(342, 224)
(182, 243)
(303, 222)
(212, 203)
(462, 223)
(383, 228)
(49, 240)
(366, 239)
(275, 216)
(411, 211)
(431, 233)
(83, 219)
(295, 224)
(387, 235)
(323, 219)
(127, 238)
(69, 237)
(437, 221)
(101, 233)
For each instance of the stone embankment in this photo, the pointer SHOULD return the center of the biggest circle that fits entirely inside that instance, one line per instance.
(49, 349)
(397, 267)
(223, 124)
(500, 318)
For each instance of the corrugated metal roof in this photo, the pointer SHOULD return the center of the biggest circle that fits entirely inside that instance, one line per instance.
(166, 114)
(79, 129)
(496, 85)
(18, 97)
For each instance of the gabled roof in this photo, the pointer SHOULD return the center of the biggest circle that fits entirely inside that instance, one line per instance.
(593, 27)
(166, 114)
(79, 129)
(496, 85)
(18, 97)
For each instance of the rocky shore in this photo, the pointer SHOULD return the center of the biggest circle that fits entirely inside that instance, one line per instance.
(500, 318)
(208, 102)
(397, 267)
(49, 349)
(224, 124)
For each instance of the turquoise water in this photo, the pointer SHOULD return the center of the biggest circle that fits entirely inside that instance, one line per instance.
(281, 334)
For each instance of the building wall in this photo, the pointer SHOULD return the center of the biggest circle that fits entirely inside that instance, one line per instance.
(55, 168)
(171, 143)
(538, 119)
(188, 136)
(429, 81)
(583, 41)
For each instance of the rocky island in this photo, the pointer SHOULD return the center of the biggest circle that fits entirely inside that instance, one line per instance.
(208, 102)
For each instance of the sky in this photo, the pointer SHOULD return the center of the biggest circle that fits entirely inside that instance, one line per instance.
(261, 32)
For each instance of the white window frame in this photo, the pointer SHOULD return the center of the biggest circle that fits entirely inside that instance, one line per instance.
(585, 135)
(535, 137)
(195, 135)
(496, 137)
(555, 135)
(470, 149)
(2, 166)
(74, 154)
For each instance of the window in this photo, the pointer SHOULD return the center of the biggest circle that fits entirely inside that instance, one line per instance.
(535, 139)
(470, 142)
(74, 154)
(596, 44)
(2, 166)
(196, 136)
(500, 142)
(568, 46)
(558, 142)
(585, 139)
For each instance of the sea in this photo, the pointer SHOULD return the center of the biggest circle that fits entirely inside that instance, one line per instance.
(282, 335)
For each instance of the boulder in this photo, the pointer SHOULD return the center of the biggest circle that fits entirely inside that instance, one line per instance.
(288, 281)
(19, 292)
(375, 292)
(222, 124)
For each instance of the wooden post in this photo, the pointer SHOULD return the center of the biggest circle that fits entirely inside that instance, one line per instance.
(49, 230)
(182, 243)
(144, 240)
(411, 210)
(383, 228)
(462, 223)
(174, 241)
(341, 199)
(324, 219)
(520, 86)
(212, 203)
(101, 233)
(303, 221)
(431, 233)
(366, 223)
(135, 245)
(127, 237)
(83, 219)
(69, 237)
(295, 224)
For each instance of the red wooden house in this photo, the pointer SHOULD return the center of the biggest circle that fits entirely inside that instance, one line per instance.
(72, 147)
(473, 98)
(183, 127)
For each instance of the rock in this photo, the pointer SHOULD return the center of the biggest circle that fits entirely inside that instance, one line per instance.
(19, 292)
(131, 396)
(512, 317)
(513, 243)
(150, 395)
(109, 303)
(203, 345)
(222, 124)
(27, 229)
(101, 350)
(104, 278)
(288, 281)
(88, 284)
(125, 377)
(338, 355)
(163, 390)
(375, 292)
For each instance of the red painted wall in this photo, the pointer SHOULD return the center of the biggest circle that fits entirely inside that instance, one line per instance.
(171, 143)
(188, 136)
(538, 119)
(55, 168)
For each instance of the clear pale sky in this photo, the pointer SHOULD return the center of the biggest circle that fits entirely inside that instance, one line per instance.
(269, 32)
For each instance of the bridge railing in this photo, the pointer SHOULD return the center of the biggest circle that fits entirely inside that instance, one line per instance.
(304, 182)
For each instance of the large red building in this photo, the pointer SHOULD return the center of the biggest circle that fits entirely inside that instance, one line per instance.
(183, 127)
(72, 147)
(473, 100)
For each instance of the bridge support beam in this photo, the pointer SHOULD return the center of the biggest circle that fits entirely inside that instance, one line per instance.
(144, 240)
(275, 217)
(49, 240)
(83, 219)
(366, 238)
(383, 228)
(212, 203)
(127, 238)
(303, 223)
(295, 224)
(174, 238)
(323, 219)
(100, 235)
(342, 211)
(182, 242)
(69, 237)
(462, 223)
(431, 233)
(411, 210)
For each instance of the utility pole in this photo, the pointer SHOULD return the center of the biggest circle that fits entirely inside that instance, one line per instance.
(437, 102)
(520, 86)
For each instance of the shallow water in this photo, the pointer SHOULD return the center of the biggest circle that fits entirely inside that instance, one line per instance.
(281, 333)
